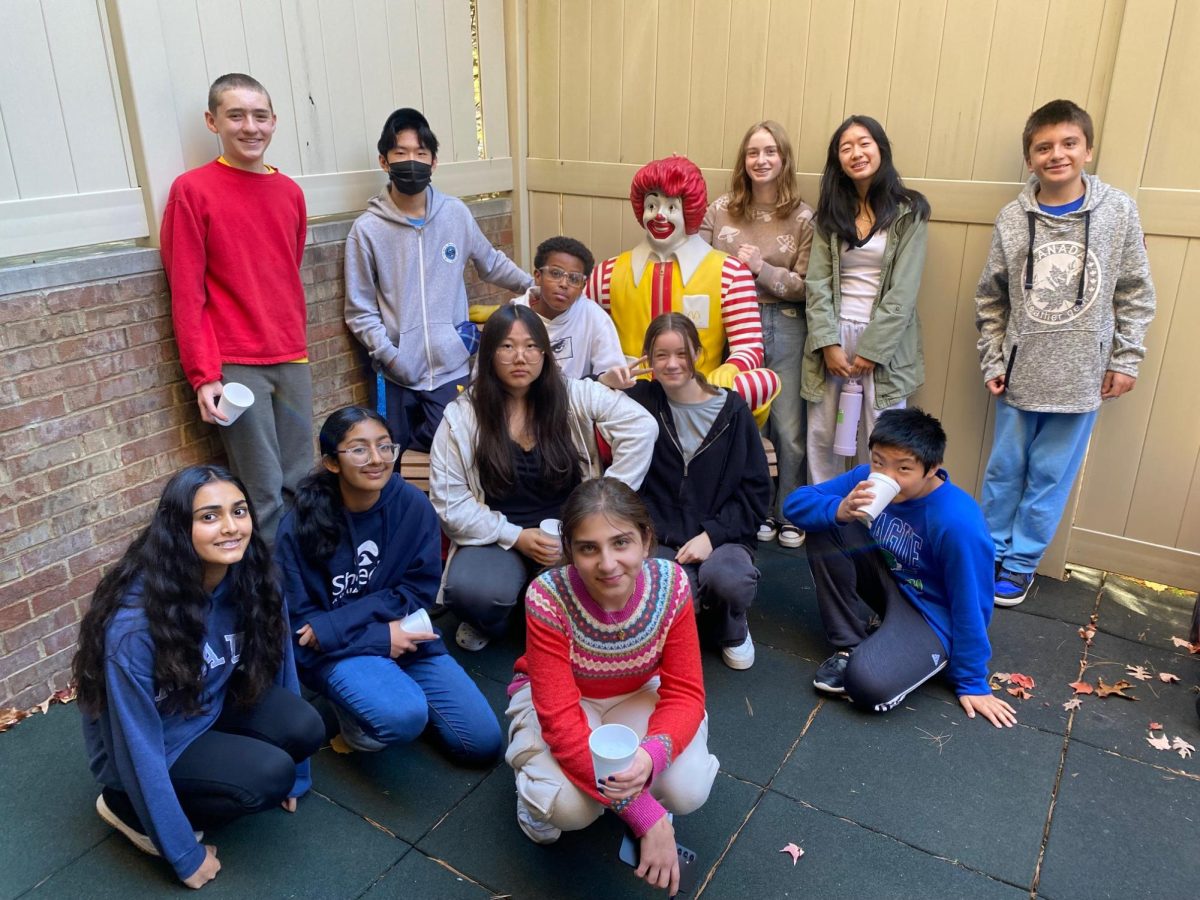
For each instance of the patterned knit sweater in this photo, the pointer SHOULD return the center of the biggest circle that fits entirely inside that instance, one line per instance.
(574, 649)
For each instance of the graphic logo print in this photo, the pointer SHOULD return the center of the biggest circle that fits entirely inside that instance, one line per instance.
(450, 253)
(1056, 267)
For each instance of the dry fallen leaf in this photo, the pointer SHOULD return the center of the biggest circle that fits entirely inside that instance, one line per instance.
(66, 695)
(1081, 687)
(1019, 692)
(1073, 703)
(1087, 633)
(1113, 690)
(43, 707)
(10, 716)
(1022, 681)
(1185, 749)
(997, 680)
(339, 745)
(1159, 743)
(1155, 726)
(1167, 677)
(1180, 642)
(795, 852)
(1138, 672)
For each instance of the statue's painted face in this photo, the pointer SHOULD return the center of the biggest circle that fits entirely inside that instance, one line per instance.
(663, 220)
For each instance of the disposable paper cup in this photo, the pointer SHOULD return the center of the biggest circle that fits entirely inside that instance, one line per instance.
(551, 528)
(235, 400)
(613, 748)
(886, 489)
(417, 622)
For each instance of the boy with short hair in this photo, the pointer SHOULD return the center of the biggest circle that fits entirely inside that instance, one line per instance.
(232, 243)
(1062, 308)
(924, 565)
(406, 301)
(583, 336)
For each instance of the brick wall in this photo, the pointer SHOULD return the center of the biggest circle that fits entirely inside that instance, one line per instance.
(95, 416)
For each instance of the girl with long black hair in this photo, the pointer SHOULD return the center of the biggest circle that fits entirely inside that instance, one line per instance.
(186, 679)
(507, 455)
(361, 552)
(863, 278)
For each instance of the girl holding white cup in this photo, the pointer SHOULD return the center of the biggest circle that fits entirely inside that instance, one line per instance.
(613, 609)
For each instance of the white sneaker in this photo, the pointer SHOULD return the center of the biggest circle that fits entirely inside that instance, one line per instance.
(354, 735)
(791, 536)
(139, 840)
(741, 656)
(470, 638)
(537, 831)
(767, 530)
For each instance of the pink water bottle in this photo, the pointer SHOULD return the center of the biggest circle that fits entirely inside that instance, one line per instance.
(845, 437)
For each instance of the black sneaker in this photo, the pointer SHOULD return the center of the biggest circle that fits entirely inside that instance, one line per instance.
(831, 674)
(1012, 587)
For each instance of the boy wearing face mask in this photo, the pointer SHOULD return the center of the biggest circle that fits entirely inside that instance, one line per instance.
(406, 301)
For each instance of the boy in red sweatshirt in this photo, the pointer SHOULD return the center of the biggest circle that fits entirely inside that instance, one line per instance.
(232, 242)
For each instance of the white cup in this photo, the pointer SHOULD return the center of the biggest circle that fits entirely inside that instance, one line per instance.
(235, 400)
(417, 623)
(613, 749)
(885, 489)
(552, 529)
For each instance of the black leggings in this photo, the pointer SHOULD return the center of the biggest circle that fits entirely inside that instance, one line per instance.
(849, 569)
(244, 764)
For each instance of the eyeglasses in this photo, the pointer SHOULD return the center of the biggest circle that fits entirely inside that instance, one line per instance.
(361, 456)
(507, 352)
(554, 273)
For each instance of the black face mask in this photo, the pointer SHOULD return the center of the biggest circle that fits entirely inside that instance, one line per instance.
(411, 176)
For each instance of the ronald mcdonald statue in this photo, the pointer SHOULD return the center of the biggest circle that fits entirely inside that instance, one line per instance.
(672, 269)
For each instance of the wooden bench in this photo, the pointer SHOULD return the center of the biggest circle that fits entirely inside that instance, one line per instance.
(414, 466)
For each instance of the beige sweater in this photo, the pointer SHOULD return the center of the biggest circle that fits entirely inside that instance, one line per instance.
(784, 243)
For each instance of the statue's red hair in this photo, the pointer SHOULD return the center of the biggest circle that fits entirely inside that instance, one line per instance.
(675, 176)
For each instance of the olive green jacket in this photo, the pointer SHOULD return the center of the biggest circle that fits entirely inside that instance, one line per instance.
(892, 340)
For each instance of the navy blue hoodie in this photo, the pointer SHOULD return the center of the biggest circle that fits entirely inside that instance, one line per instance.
(388, 565)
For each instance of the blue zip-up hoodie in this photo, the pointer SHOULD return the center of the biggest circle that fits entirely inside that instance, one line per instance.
(941, 556)
(404, 287)
(133, 743)
(388, 566)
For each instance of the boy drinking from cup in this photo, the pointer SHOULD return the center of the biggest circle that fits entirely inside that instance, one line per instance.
(924, 566)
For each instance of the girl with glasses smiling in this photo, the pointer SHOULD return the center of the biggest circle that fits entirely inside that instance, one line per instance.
(360, 551)
(507, 454)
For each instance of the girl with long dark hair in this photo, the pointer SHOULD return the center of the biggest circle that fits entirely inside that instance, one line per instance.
(863, 278)
(186, 679)
(708, 486)
(507, 455)
(360, 552)
(611, 640)
(764, 223)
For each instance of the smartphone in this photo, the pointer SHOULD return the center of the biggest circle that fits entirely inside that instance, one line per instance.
(631, 852)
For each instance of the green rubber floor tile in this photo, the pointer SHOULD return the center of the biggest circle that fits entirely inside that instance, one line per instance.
(405, 789)
(47, 798)
(755, 715)
(416, 875)
(784, 614)
(481, 839)
(320, 852)
(1121, 829)
(1047, 651)
(1151, 615)
(928, 776)
(841, 859)
(1112, 723)
(1073, 600)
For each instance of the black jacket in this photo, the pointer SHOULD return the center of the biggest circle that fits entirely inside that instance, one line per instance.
(725, 489)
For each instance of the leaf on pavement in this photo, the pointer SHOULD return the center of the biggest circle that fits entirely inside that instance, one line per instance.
(1073, 703)
(1116, 689)
(1087, 632)
(1167, 677)
(1185, 749)
(1081, 687)
(1180, 642)
(1138, 672)
(1022, 681)
(1019, 692)
(794, 851)
(1155, 726)
(998, 680)
(10, 716)
(1159, 743)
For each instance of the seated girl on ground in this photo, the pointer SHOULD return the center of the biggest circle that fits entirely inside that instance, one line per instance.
(611, 639)
(361, 550)
(507, 454)
(708, 487)
(186, 680)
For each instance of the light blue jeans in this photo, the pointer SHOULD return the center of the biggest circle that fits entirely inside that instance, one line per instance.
(1035, 458)
(785, 328)
(394, 703)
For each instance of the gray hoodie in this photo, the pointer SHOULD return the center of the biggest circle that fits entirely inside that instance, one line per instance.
(1052, 324)
(404, 287)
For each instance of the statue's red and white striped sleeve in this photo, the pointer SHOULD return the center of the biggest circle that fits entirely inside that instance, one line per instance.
(739, 313)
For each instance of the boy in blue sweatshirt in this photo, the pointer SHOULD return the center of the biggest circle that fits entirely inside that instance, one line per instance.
(406, 301)
(924, 565)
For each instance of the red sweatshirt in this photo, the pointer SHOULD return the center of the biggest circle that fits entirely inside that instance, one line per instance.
(574, 650)
(232, 242)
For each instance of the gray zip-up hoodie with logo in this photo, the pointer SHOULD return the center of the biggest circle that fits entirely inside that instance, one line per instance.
(1063, 299)
(405, 293)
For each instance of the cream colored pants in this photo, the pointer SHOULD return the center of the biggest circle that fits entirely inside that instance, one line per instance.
(552, 797)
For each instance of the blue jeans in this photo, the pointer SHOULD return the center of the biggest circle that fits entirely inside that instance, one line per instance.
(394, 703)
(785, 329)
(1035, 458)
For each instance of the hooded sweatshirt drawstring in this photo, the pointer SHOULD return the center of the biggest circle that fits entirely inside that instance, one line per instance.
(1087, 229)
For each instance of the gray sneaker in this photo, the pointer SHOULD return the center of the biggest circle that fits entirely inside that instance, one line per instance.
(831, 674)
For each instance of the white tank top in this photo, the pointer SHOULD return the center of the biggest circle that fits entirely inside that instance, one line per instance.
(860, 269)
